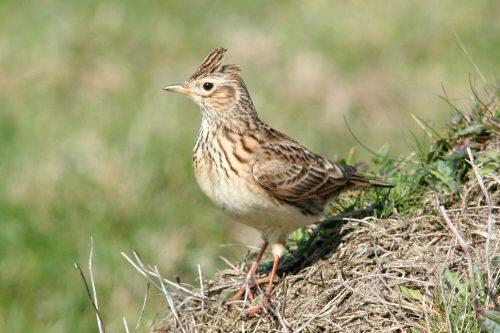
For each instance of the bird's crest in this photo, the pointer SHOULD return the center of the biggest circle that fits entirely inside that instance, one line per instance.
(211, 64)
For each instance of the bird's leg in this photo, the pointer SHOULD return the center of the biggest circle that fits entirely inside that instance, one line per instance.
(267, 297)
(250, 281)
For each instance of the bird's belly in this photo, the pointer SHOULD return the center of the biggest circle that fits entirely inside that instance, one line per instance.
(244, 200)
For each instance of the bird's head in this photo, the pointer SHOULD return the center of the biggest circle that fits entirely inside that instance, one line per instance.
(217, 89)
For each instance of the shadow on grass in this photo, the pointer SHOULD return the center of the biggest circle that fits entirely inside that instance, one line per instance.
(319, 246)
(323, 240)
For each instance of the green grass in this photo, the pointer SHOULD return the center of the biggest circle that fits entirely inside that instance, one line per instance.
(90, 146)
(436, 168)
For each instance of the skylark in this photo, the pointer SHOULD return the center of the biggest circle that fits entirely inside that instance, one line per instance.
(257, 175)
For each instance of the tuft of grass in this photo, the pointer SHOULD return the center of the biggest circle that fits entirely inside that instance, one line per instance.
(438, 172)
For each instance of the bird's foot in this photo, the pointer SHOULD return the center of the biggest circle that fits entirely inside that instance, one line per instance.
(266, 301)
(258, 309)
(246, 288)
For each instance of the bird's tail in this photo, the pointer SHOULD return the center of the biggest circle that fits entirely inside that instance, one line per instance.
(359, 180)
(356, 179)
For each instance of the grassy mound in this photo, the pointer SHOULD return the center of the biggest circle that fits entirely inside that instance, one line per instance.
(411, 265)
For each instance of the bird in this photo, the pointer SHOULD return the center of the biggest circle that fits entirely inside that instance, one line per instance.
(254, 173)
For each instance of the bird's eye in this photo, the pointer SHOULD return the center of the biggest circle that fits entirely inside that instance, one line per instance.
(208, 85)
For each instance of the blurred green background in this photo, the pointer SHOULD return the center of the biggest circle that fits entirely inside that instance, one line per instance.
(91, 146)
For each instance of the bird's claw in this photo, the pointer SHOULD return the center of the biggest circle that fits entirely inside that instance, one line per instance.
(249, 284)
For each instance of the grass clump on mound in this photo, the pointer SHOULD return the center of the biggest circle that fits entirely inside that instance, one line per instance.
(424, 258)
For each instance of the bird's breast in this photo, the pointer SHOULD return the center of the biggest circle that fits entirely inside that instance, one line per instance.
(222, 164)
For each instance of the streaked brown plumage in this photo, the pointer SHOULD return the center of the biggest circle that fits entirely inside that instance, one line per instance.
(259, 176)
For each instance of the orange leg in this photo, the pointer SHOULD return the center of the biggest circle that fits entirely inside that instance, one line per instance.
(250, 280)
(265, 302)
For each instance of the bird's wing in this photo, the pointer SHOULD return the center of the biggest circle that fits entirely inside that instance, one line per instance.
(293, 173)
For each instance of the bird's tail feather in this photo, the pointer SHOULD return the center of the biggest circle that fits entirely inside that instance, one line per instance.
(356, 179)
(359, 180)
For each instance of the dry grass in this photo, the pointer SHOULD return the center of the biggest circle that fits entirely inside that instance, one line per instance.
(359, 287)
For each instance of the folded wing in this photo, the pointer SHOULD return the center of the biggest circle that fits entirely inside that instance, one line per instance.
(299, 177)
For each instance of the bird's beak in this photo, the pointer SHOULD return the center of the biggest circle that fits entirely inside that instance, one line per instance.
(177, 87)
